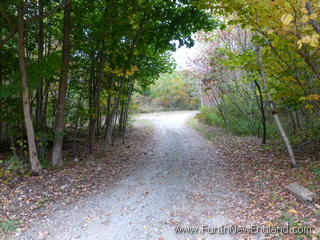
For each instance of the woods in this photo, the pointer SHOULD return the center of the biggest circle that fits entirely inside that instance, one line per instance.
(260, 73)
(79, 63)
(102, 129)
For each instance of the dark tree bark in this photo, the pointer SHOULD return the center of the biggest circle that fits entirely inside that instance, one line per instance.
(1, 79)
(111, 122)
(60, 111)
(263, 115)
(39, 108)
(33, 154)
(126, 114)
(107, 121)
(40, 96)
(95, 100)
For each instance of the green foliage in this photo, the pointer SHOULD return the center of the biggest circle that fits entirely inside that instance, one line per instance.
(117, 48)
(42, 201)
(16, 165)
(315, 168)
(45, 163)
(210, 116)
(9, 226)
(236, 122)
(171, 91)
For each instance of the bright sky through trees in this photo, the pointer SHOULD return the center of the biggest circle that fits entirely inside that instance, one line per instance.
(183, 55)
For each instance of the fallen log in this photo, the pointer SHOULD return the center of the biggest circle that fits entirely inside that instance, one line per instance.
(302, 193)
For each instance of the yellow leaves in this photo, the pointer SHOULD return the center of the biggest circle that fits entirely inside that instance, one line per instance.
(305, 18)
(121, 72)
(269, 32)
(303, 3)
(131, 71)
(289, 79)
(293, 211)
(312, 40)
(286, 18)
(313, 16)
(312, 97)
(270, 224)
(302, 41)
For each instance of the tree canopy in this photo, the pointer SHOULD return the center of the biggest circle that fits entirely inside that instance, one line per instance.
(79, 62)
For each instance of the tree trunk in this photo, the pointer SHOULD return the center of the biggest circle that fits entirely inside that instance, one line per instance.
(76, 128)
(297, 118)
(126, 113)
(39, 108)
(263, 115)
(314, 23)
(273, 109)
(1, 77)
(60, 111)
(33, 154)
(40, 103)
(46, 93)
(109, 127)
(292, 120)
(95, 100)
(107, 121)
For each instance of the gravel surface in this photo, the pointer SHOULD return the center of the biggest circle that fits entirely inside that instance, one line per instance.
(178, 184)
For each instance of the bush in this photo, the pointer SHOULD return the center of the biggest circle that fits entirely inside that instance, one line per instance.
(235, 123)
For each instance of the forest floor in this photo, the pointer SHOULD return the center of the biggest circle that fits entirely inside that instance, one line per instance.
(167, 175)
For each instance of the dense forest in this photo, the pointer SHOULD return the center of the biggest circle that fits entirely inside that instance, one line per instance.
(71, 66)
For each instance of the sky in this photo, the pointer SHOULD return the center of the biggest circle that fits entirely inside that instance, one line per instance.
(183, 55)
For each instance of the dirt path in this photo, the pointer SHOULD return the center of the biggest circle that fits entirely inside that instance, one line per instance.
(179, 184)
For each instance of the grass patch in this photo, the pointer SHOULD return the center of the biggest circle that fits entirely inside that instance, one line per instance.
(193, 123)
(42, 201)
(145, 122)
(9, 226)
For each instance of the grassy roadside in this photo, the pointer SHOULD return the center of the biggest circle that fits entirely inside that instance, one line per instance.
(262, 172)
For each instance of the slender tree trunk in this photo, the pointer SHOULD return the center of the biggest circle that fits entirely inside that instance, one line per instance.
(95, 100)
(39, 108)
(107, 121)
(314, 23)
(46, 93)
(263, 115)
(76, 128)
(126, 113)
(60, 111)
(220, 110)
(292, 120)
(33, 154)
(273, 109)
(109, 127)
(1, 79)
(121, 118)
(39, 96)
(297, 118)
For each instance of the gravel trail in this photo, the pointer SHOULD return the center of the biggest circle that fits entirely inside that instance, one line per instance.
(178, 184)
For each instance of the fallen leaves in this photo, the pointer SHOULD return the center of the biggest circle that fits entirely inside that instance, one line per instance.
(31, 197)
(295, 212)
(262, 173)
